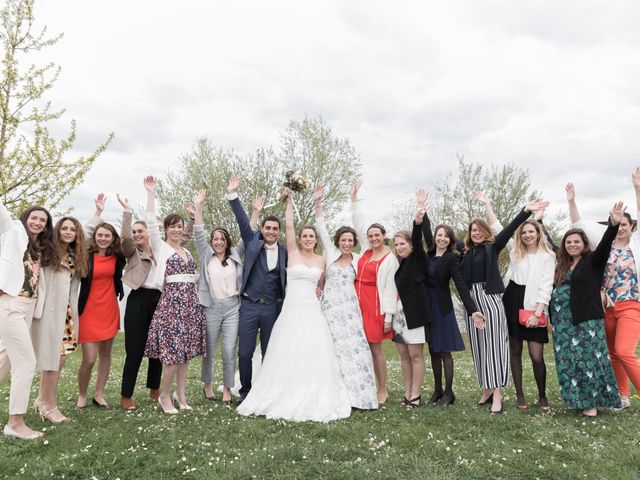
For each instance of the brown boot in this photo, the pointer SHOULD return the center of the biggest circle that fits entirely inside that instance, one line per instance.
(127, 403)
(154, 394)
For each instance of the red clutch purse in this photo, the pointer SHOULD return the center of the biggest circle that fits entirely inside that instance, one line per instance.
(523, 316)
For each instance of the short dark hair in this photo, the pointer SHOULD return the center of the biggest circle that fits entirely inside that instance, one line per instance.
(172, 219)
(341, 231)
(271, 218)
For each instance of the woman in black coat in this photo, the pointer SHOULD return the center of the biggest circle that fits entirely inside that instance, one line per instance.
(442, 267)
(411, 323)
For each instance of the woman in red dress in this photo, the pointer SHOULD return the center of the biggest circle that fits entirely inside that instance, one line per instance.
(98, 307)
(376, 290)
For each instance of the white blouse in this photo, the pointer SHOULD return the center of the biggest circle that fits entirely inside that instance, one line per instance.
(222, 279)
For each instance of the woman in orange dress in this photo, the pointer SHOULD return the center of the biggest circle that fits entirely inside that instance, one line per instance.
(376, 290)
(98, 307)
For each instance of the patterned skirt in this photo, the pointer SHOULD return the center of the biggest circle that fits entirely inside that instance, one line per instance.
(69, 340)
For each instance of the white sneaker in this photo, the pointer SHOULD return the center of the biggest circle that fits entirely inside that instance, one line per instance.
(624, 403)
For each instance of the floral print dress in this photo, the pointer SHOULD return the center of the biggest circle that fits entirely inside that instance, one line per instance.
(584, 370)
(341, 309)
(177, 330)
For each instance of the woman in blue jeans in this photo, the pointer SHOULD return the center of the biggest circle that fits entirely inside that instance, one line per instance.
(218, 289)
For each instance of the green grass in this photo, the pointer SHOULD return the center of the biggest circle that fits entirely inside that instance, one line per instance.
(460, 441)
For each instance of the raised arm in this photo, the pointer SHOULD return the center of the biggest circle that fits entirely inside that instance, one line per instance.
(505, 235)
(290, 231)
(574, 214)
(188, 228)
(155, 240)
(416, 232)
(601, 253)
(246, 232)
(356, 214)
(256, 208)
(198, 228)
(127, 244)
(486, 201)
(321, 226)
(635, 178)
(96, 219)
(6, 220)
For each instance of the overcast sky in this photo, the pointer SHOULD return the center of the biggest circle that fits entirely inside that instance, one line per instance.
(550, 86)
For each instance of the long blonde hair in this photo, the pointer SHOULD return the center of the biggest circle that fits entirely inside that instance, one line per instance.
(520, 250)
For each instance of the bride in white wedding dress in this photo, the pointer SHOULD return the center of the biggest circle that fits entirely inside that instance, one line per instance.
(299, 379)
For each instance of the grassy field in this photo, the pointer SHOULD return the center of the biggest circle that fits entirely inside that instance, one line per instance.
(460, 441)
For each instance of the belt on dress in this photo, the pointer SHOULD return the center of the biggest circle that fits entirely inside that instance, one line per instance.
(182, 278)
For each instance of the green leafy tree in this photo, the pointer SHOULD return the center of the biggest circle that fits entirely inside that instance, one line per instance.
(33, 167)
(309, 145)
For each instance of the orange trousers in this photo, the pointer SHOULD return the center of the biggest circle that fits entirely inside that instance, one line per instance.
(622, 325)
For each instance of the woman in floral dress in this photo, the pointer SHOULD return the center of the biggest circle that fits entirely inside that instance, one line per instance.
(177, 330)
(342, 311)
(582, 360)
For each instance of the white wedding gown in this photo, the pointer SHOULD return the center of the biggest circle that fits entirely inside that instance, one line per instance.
(299, 379)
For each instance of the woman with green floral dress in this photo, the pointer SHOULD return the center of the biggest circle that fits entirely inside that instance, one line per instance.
(584, 370)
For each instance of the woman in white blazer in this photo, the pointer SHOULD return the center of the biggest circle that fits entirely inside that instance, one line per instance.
(340, 306)
(376, 290)
(54, 332)
(24, 244)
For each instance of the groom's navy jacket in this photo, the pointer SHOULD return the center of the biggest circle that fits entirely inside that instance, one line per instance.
(257, 282)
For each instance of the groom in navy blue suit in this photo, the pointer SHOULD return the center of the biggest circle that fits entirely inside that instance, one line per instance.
(263, 284)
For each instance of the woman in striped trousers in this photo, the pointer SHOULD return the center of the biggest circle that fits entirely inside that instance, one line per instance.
(489, 339)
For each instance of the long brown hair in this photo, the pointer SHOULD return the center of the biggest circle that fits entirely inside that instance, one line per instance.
(227, 240)
(450, 235)
(484, 227)
(519, 249)
(42, 247)
(564, 259)
(114, 248)
(77, 248)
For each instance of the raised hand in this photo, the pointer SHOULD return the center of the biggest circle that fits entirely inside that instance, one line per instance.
(150, 184)
(99, 201)
(188, 208)
(536, 204)
(234, 183)
(258, 203)
(124, 201)
(635, 178)
(199, 200)
(538, 214)
(482, 197)
(616, 213)
(354, 190)
(318, 193)
(422, 198)
(571, 192)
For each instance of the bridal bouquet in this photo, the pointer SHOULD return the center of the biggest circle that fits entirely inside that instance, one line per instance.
(295, 181)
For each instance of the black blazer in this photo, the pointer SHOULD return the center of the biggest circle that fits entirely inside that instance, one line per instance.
(587, 278)
(492, 278)
(411, 283)
(85, 282)
(447, 269)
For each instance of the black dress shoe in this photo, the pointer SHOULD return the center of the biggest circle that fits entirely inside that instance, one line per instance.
(487, 401)
(446, 399)
(240, 399)
(98, 404)
(437, 395)
(211, 398)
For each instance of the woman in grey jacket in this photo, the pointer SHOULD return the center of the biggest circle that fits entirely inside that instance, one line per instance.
(218, 288)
